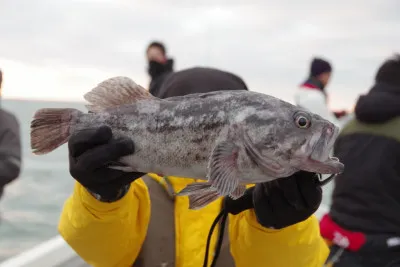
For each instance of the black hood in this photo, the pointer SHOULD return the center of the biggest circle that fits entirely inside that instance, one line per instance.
(199, 80)
(381, 104)
(156, 69)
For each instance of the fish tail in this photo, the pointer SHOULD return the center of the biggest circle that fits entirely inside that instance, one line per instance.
(202, 199)
(195, 188)
(51, 128)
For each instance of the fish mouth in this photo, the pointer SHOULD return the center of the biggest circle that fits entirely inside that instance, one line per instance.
(319, 159)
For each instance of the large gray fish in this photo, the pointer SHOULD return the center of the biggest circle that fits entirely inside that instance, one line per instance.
(229, 138)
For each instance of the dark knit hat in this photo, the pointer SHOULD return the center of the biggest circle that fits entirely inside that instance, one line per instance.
(389, 71)
(319, 66)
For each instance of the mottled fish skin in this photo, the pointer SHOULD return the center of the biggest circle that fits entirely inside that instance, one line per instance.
(230, 138)
(175, 136)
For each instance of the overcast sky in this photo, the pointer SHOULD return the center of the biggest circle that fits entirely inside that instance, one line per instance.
(59, 49)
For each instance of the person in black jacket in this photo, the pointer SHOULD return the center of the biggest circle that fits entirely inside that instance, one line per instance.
(364, 220)
(159, 65)
(10, 146)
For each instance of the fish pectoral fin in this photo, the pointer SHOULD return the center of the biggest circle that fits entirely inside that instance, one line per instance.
(202, 199)
(195, 188)
(222, 168)
(270, 166)
(238, 192)
(115, 92)
(200, 194)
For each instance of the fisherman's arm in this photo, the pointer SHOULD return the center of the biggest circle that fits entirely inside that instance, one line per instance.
(279, 228)
(10, 152)
(105, 219)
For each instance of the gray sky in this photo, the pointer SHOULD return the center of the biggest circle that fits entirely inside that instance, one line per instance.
(62, 48)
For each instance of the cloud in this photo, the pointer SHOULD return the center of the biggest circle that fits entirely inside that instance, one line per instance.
(75, 44)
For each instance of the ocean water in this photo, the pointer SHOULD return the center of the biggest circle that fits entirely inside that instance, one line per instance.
(31, 205)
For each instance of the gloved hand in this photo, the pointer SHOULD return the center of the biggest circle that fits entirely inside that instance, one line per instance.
(282, 202)
(90, 151)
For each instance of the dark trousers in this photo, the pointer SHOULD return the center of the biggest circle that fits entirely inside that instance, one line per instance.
(363, 258)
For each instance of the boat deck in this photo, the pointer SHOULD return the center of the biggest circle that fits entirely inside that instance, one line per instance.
(73, 262)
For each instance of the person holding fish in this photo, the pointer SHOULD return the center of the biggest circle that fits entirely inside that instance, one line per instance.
(132, 206)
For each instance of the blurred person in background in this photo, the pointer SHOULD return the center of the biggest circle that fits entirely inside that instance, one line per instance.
(159, 65)
(363, 224)
(114, 218)
(10, 145)
(312, 93)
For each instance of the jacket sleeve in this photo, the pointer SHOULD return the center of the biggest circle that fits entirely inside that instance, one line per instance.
(314, 101)
(10, 151)
(106, 234)
(299, 245)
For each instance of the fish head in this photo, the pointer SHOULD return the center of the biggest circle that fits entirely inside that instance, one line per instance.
(304, 141)
(317, 138)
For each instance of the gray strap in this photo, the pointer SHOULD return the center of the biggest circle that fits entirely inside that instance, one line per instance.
(158, 249)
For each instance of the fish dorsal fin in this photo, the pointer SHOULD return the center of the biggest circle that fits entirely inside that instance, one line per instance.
(115, 92)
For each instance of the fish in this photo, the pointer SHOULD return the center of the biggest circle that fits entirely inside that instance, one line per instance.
(226, 139)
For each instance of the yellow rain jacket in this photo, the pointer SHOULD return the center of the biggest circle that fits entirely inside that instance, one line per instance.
(122, 233)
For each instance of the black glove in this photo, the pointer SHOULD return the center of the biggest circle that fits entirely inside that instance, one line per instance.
(282, 202)
(90, 151)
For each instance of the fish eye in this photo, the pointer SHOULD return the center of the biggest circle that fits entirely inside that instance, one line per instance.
(302, 121)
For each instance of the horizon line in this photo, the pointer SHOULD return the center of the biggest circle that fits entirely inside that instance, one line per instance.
(68, 100)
